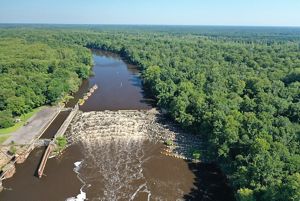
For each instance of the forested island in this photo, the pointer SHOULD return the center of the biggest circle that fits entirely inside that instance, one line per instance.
(236, 87)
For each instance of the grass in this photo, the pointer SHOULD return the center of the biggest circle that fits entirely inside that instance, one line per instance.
(3, 138)
(18, 125)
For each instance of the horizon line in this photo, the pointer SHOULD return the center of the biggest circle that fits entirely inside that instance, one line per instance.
(115, 24)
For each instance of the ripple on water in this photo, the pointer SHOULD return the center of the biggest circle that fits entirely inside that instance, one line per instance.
(82, 195)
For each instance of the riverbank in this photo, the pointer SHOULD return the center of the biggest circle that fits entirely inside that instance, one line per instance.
(21, 141)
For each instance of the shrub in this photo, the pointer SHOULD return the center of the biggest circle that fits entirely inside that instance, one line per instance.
(169, 142)
(196, 154)
(245, 194)
(61, 143)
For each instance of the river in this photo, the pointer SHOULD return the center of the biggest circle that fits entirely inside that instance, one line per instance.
(124, 169)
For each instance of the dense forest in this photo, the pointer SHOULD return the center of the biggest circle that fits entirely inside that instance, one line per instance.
(240, 94)
(35, 74)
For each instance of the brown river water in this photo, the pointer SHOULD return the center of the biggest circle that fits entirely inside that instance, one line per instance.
(114, 170)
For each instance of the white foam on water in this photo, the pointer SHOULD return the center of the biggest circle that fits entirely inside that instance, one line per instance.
(139, 189)
(77, 166)
(113, 144)
(82, 195)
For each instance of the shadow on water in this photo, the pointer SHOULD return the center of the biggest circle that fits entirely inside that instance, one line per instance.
(148, 98)
(79, 94)
(209, 185)
(208, 182)
(55, 125)
(40, 158)
(135, 81)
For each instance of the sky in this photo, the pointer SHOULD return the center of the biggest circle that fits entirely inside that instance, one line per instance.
(154, 12)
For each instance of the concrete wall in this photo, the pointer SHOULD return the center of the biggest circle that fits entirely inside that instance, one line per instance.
(10, 169)
(61, 131)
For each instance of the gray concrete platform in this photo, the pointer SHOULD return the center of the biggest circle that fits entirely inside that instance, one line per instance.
(34, 128)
